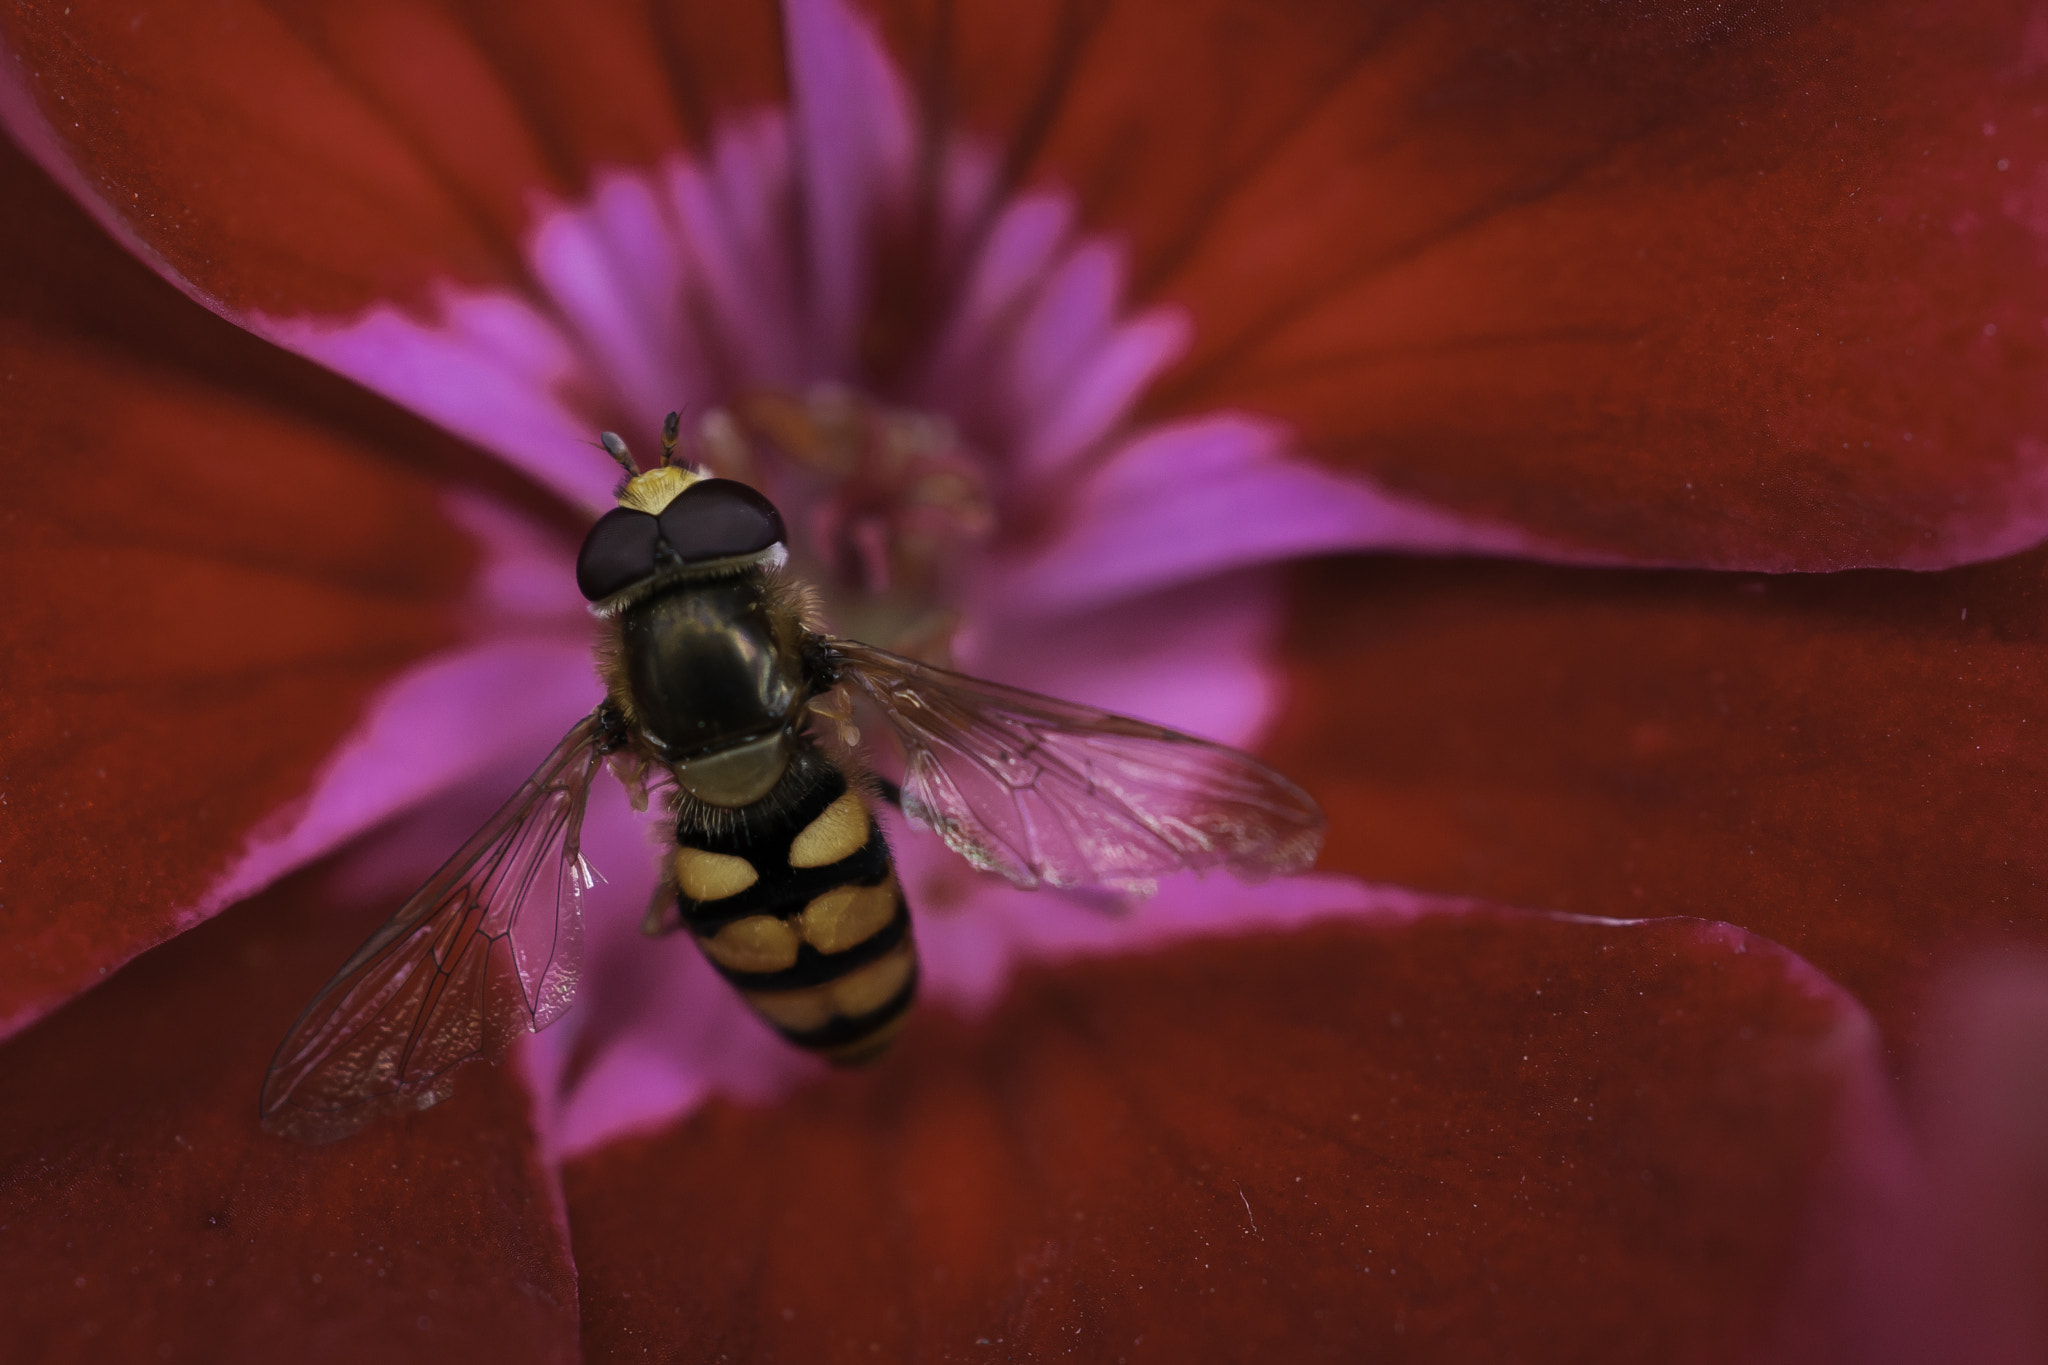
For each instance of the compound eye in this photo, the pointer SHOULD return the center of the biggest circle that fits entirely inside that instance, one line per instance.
(718, 519)
(618, 552)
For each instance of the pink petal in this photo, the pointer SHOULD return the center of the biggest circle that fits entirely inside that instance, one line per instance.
(853, 135)
(491, 367)
(1194, 658)
(1205, 496)
(684, 284)
(433, 726)
(507, 698)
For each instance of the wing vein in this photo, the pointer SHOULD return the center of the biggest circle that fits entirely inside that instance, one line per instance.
(1046, 791)
(487, 950)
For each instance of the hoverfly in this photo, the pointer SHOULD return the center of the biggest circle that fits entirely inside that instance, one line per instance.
(723, 689)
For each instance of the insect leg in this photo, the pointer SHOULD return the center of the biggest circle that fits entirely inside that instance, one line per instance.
(662, 913)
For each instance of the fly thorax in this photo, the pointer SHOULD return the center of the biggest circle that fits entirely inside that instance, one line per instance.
(713, 685)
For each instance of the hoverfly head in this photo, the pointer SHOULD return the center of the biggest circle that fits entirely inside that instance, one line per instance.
(672, 519)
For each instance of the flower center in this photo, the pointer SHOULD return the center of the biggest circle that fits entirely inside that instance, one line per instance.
(885, 506)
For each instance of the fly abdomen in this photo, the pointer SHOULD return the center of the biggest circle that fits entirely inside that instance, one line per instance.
(795, 901)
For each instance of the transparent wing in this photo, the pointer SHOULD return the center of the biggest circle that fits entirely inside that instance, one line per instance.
(1044, 791)
(487, 950)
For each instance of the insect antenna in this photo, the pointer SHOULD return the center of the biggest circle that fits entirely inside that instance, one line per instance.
(671, 432)
(615, 446)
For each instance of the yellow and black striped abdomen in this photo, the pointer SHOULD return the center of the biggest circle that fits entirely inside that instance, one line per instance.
(794, 900)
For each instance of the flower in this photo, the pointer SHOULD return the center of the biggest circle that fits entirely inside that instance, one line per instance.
(1591, 290)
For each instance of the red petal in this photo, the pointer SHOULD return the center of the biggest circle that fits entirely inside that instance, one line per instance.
(1984, 1244)
(1846, 764)
(351, 152)
(1758, 291)
(1753, 289)
(212, 559)
(149, 1218)
(1479, 1137)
